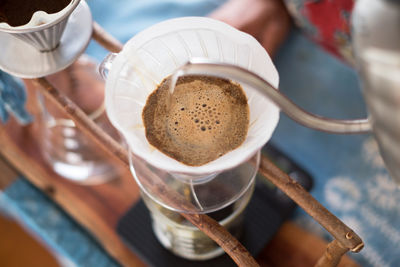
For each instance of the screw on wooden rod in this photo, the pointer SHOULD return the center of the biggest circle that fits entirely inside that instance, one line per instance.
(349, 235)
(332, 255)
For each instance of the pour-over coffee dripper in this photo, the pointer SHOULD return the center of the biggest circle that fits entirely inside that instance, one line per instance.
(48, 43)
(158, 52)
(43, 31)
(227, 182)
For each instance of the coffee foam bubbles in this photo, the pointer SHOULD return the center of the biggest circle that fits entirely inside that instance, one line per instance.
(205, 118)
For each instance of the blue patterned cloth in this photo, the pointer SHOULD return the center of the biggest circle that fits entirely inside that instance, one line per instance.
(123, 18)
(12, 99)
(349, 175)
(71, 244)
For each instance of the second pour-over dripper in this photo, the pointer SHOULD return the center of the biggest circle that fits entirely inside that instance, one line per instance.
(45, 45)
(48, 43)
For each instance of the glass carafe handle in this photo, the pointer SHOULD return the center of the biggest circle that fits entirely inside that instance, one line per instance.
(105, 66)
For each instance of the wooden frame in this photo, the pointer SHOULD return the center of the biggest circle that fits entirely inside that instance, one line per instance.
(344, 238)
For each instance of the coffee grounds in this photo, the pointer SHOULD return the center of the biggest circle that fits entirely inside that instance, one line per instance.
(19, 12)
(203, 119)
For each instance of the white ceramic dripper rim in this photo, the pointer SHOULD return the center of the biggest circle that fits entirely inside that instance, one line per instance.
(41, 20)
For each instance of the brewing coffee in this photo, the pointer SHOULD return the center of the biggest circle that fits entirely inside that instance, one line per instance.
(19, 12)
(203, 119)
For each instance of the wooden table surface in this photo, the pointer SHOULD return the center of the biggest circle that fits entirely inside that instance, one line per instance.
(98, 208)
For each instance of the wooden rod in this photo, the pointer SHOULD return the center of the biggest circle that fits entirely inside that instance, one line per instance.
(295, 191)
(105, 39)
(332, 255)
(206, 224)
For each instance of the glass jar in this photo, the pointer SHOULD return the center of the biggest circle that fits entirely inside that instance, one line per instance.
(65, 148)
(222, 196)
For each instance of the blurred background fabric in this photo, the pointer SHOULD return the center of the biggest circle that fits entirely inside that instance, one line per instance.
(12, 99)
(71, 244)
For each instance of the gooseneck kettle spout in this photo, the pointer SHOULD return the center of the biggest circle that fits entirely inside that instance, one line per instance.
(203, 66)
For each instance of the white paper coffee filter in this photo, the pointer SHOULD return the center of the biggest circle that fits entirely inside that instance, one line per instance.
(156, 53)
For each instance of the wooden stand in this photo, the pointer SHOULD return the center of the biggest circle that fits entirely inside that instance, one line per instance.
(101, 206)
